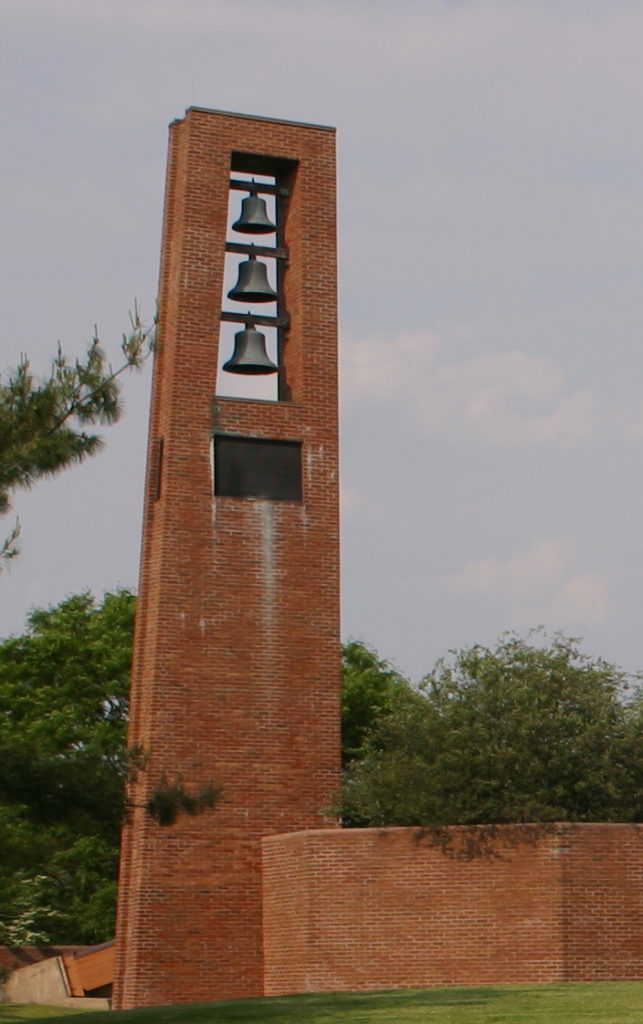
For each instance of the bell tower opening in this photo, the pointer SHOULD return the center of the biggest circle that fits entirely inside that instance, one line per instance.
(256, 259)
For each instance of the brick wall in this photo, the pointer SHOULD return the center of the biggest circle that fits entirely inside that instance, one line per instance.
(370, 908)
(236, 660)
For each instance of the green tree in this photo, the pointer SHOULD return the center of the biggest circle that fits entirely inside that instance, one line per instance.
(43, 421)
(64, 690)
(63, 710)
(521, 732)
(371, 687)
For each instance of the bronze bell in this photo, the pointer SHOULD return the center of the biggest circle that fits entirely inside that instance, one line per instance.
(253, 284)
(254, 219)
(250, 354)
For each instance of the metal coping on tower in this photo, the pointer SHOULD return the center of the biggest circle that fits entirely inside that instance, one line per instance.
(256, 117)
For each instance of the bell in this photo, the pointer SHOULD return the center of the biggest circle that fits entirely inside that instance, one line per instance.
(254, 219)
(250, 354)
(253, 284)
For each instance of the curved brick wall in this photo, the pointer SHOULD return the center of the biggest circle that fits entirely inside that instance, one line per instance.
(387, 908)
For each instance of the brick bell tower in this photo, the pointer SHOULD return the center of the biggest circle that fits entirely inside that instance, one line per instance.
(236, 661)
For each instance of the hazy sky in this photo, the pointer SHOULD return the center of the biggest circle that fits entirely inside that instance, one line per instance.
(491, 256)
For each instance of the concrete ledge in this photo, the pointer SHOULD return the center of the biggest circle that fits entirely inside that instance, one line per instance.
(83, 1003)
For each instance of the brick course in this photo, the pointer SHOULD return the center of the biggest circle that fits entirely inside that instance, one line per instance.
(365, 909)
(236, 662)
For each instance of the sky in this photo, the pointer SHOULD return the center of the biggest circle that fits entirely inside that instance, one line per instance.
(491, 309)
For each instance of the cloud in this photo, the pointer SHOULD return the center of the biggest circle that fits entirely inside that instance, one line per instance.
(507, 398)
(536, 585)
(532, 570)
(629, 421)
(378, 369)
(584, 598)
(513, 398)
(351, 501)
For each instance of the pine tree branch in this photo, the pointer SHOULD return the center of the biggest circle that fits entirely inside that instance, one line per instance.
(132, 346)
(38, 435)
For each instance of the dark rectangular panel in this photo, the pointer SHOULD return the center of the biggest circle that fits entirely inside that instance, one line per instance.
(251, 467)
(261, 163)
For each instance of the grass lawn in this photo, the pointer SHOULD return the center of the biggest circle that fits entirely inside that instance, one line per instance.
(15, 1013)
(594, 1003)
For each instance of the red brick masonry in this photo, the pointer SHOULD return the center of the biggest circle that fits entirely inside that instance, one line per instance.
(386, 908)
(236, 654)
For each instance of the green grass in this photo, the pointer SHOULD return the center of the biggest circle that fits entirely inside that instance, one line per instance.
(14, 1013)
(595, 1003)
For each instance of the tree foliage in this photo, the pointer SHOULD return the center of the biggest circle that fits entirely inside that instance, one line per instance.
(44, 421)
(525, 731)
(521, 732)
(170, 799)
(63, 709)
(371, 687)
(64, 689)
